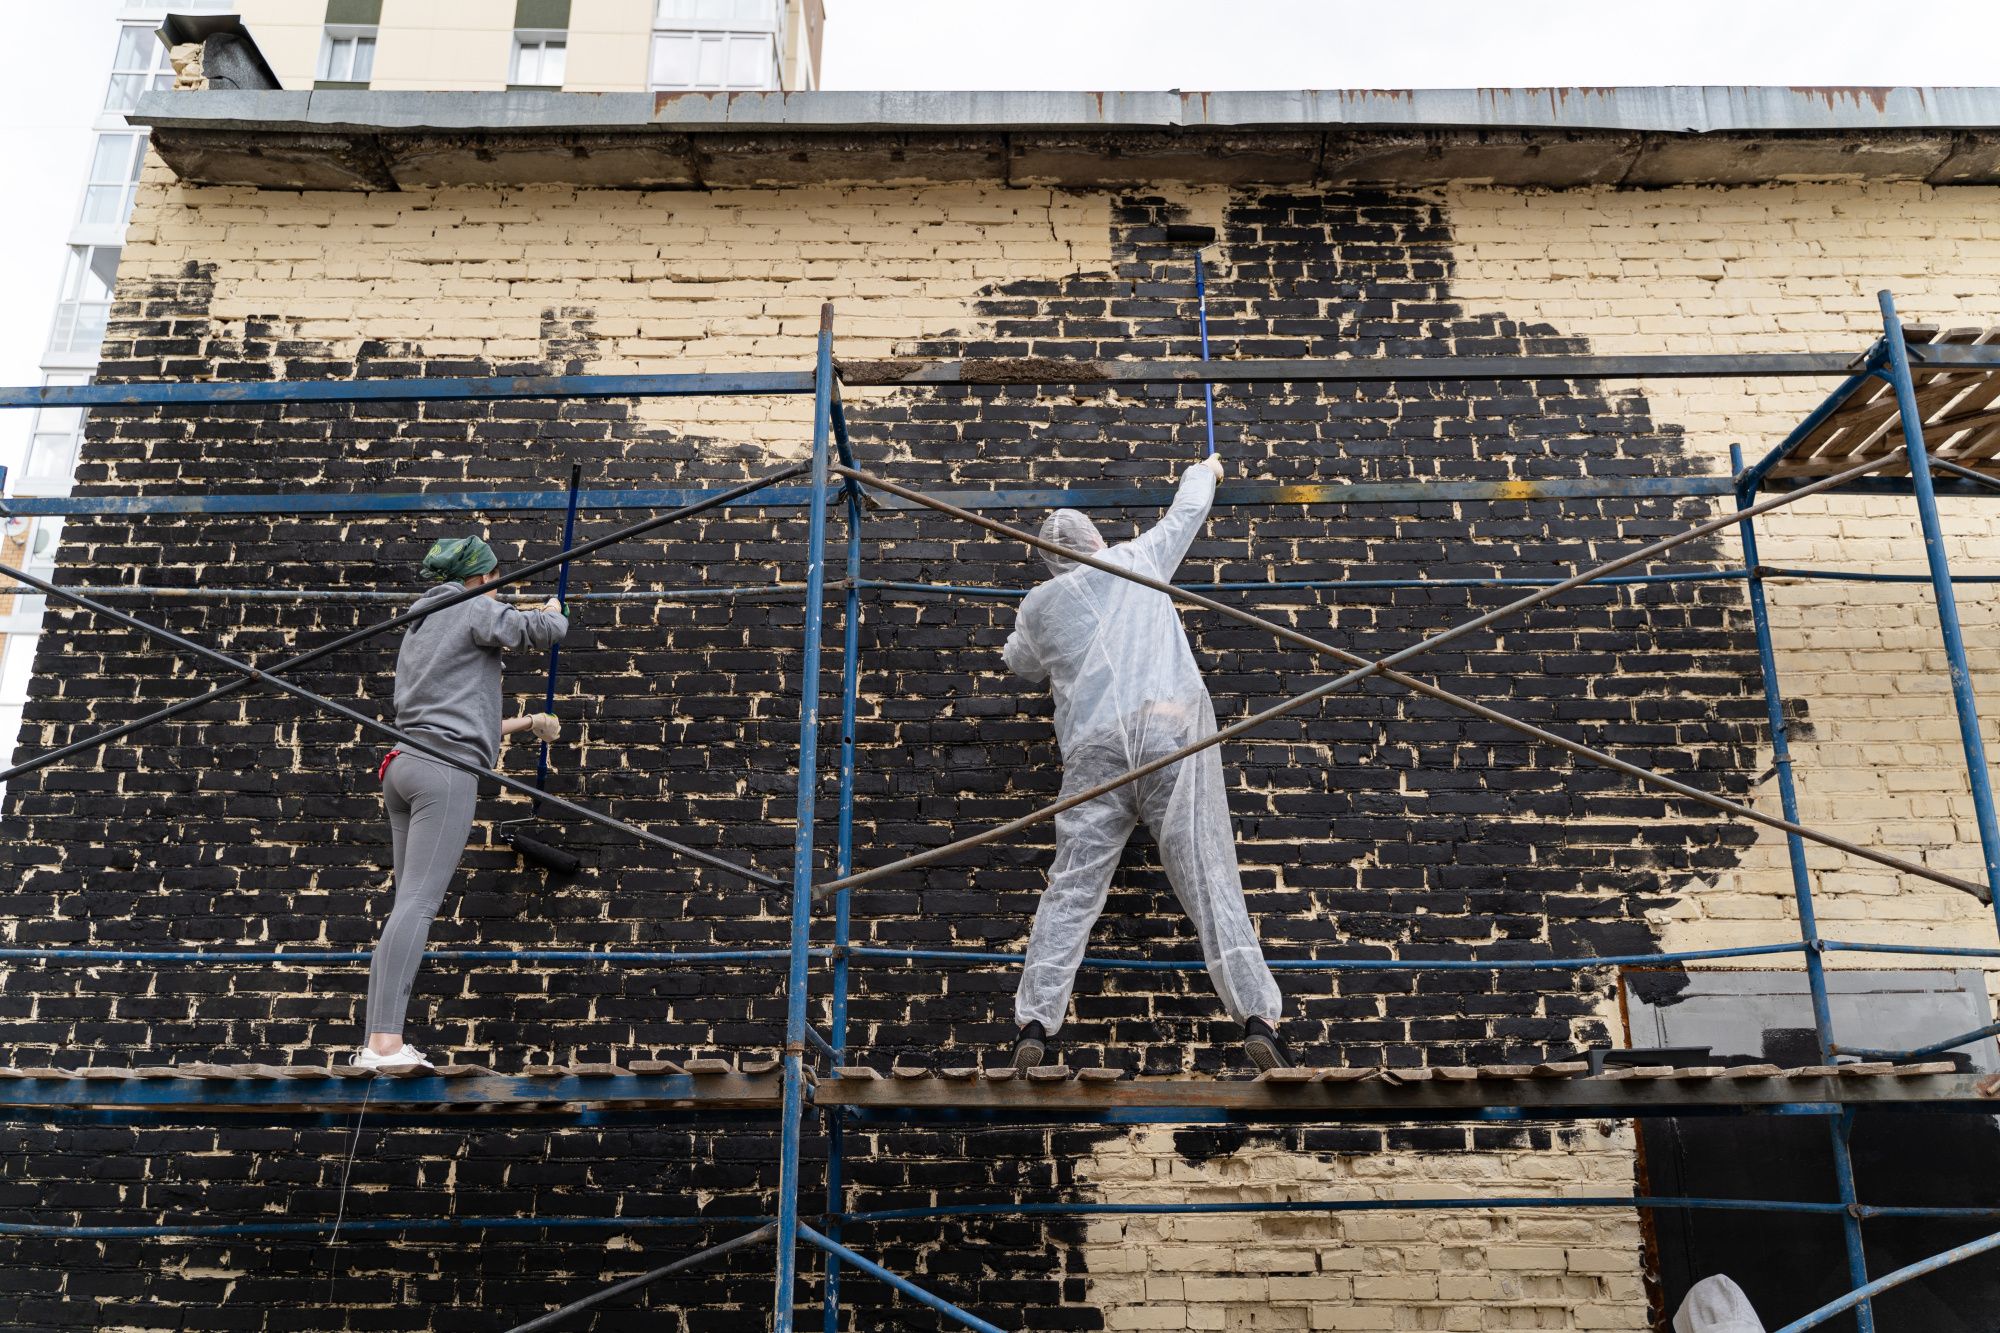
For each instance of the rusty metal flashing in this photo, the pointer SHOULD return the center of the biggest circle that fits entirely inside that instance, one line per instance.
(1528, 137)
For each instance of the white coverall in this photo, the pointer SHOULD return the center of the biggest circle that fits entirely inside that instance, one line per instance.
(1126, 691)
(1716, 1305)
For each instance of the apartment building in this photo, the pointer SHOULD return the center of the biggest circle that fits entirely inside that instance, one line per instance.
(567, 45)
(136, 62)
(424, 45)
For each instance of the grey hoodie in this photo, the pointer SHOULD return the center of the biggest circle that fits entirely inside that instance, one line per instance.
(448, 671)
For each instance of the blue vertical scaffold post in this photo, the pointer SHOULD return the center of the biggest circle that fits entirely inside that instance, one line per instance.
(850, 677)
(1795, 847)
(802, 844)
(1939, 560)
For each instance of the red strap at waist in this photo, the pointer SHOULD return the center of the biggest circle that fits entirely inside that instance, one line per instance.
(382, 769)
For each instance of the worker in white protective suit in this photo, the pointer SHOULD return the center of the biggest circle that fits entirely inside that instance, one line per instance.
(1127, 691)
(1716, 1305)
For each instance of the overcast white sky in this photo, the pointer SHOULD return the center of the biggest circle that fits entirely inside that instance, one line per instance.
(46, 107)
(1213, 44)
(45, 117)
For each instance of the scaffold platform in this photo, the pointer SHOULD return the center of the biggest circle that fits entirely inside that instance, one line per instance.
(753, 1086)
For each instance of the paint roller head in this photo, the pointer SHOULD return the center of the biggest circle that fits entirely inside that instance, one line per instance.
(1186, 233)
(555, 860)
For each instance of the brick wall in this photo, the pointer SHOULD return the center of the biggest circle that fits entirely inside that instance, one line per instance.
(1370, 827)
(1797, 267)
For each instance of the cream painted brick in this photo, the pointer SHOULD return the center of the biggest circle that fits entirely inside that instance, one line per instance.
(1146, 1317)
(1800, 265)
(1352, 1317)
(1221, 1290)
(1598, 1261)
(1526, 1256)
(1403, 1288)
(1317, 1287)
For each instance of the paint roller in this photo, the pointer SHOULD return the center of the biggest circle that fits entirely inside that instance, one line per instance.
(539, 850)
(1186, 233)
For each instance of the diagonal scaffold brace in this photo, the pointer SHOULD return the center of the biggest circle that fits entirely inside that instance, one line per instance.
(1385, 668)
(253, 675)
(555, 1318)
(297, 660)
(901, 1284)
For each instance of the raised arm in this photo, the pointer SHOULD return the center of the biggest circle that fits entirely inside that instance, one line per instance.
(501, 626)
(1166, 543)
(1020, 654)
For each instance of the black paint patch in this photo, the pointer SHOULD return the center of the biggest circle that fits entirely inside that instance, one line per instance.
(1658, 985)
(1371, 826)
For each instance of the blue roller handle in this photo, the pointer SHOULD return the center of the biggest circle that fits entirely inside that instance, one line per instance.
(562, 595)
(1207, 390)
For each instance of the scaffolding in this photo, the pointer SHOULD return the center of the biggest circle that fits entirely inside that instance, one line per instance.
(1868, 436)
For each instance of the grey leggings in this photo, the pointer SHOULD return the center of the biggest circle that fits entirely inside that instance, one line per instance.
(430, 816)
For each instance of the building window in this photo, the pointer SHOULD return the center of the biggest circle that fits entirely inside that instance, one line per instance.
(36, 538)
(84, 303)
(50, 464)
(21, 621)
(538, 59)
(722, 44)
(17, 667)
(139, 64)
(114, 173)
(346, 57)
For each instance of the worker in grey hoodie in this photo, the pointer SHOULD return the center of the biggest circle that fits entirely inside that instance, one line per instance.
(448, 696)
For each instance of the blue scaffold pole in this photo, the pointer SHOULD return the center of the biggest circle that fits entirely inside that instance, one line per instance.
(1795, 847)
(1947, 604)
(562, 595)
(850, 678)
(1858, 1298)
(1781, 760)
(802, 844)
(1207, 386)
(963, 1318)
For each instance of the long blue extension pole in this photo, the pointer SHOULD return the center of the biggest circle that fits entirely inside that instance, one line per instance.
(850, 677)
(802, 842)
(562, 595)
(1207, 386)
(1921, 1268)
(1947, 604)
(1306, 1207)
(1934, 1048)
(1344, 964)
(1795, 847)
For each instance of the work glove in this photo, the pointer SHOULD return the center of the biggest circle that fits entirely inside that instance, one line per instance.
(545, 726)
(1214, 464)
(556, 608)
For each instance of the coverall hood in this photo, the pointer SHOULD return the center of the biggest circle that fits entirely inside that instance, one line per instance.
(1716, 1305)
(1073, 532)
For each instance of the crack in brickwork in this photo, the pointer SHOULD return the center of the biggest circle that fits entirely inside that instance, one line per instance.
(1369, 824)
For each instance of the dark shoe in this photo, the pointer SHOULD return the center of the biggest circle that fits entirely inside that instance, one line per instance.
(1260, 1041)
(1030, 1047)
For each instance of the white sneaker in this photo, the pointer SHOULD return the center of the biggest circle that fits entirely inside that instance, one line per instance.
(399, 1061)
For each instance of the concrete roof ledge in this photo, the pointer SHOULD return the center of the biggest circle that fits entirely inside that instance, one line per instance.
(1551, 137)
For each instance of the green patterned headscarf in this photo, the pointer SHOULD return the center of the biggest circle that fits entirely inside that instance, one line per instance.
(454, 559)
